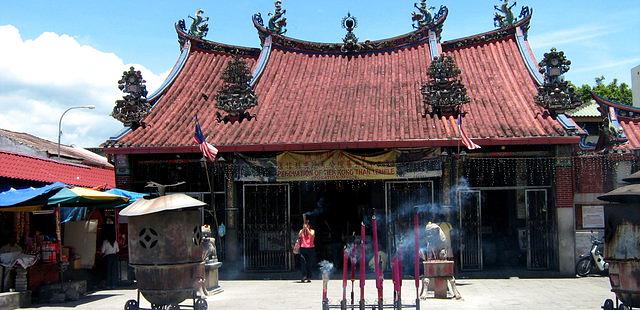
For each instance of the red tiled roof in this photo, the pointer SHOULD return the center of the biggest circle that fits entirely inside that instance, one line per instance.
(502, 93)
(629, 119)
(631, 129)
(316, 100)
(24, 167)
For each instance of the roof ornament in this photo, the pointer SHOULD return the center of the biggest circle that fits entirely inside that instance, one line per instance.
(556, 94)
(199, 26)
(277, 22)
(134, 106)
(504, 16)
(350, 40)
(444, 93)
(236, 95)
(423, 17)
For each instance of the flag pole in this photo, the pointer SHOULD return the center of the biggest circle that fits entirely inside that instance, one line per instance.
(213, 200)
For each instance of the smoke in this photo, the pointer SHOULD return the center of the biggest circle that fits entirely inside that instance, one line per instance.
(401, 221)
(352, 250)
(326, 267)
(320, 209)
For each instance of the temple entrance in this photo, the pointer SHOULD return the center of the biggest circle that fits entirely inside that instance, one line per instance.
(504, 228)
(335, 210)
(402, 197)
(501, 228)
(267, 227)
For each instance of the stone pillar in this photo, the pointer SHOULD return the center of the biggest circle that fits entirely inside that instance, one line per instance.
(446, 182)
(232, 245)
(565, 213)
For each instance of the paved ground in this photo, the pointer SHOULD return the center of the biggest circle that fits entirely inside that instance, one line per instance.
(582, 293)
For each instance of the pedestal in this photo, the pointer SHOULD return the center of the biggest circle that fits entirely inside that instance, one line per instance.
(439, 272)
(211, 277)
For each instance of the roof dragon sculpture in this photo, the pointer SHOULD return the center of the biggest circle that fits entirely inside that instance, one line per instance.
(277, 22)
(504, 16)
(423, 17)
(199, 26)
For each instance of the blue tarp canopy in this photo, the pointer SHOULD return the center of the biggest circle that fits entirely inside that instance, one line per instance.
(133, 196)
(29, 196)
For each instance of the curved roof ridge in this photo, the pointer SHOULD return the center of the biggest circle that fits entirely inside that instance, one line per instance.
(409, 39)
(616, 105)
(212, 46)
(495, 34)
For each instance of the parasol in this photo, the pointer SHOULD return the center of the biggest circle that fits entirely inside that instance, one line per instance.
(633, 179)
(84, 197)
(144, 206)
(627, 193)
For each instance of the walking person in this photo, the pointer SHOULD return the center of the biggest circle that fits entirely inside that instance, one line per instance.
(307, 250)
(109, 252)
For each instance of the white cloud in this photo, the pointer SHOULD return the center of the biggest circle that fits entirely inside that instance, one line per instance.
(564, 36)
(42, 77)
(624, 63)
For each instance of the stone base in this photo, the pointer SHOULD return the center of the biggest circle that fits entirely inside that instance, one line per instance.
(211, 276)
(15, 300)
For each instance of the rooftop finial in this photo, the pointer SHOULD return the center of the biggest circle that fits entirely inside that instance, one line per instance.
(423, 16)
(236, 95)
(350, 40)
(277, 22)
(444, 93)
(134, 106)
(556, 94)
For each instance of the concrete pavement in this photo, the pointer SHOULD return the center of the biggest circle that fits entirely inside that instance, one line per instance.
(579, 293)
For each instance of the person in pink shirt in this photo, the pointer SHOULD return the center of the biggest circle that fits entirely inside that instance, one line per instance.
(306, 237)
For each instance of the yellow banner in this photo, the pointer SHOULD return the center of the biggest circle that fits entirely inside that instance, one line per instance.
(335, 165)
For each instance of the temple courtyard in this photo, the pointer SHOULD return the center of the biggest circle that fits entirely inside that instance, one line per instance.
(513, 293)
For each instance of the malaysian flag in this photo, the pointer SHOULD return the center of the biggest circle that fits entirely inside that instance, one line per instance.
(463, 136)
(208, 150)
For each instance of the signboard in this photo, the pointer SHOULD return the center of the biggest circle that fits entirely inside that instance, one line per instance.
(335, 165)
(593, 216)
(338, 165)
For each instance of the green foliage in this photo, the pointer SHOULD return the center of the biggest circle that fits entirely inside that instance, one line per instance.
(620, 93)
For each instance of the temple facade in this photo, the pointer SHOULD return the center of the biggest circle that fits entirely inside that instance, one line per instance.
(338, 131)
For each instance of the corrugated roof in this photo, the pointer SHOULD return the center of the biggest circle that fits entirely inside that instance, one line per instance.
(316, 100)
(24, 167)
(37, 146)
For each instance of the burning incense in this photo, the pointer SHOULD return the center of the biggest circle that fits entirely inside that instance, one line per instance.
(394, 276)
(354, 261)
(376, 258)
(345, 270)
(416, 252)
(362, 265)
(326, 268)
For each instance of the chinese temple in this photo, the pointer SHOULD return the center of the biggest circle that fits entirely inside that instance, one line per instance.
(472, 130)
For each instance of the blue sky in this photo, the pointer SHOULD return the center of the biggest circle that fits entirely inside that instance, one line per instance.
(599, 37)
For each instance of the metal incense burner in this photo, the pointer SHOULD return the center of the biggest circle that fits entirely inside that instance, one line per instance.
(165, 250)
(622, 244)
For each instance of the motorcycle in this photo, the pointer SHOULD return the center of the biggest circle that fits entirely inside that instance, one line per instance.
(592, 262)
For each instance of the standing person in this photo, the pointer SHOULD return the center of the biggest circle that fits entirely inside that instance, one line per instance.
(110, 253)
(307, 250)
